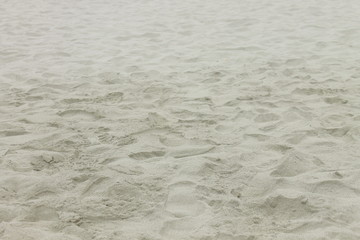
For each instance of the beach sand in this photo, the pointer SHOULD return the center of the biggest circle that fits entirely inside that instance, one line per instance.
(169, 120)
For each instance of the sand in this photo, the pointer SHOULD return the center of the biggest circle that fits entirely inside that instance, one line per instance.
(167, 120)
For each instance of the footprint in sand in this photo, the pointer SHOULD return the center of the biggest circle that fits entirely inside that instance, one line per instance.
(335, 100)
(295, 163)
(42, 213)
(11, 133)
(182, 201)
(146, 155)
(180, 228)
(111, 97)
(335, 188)
(287, 205)
(107, 138)
(95, 185)
(191, 151)
(8, 213)
(182, 204)
(266, 117)
(176, 140)
(79, 115)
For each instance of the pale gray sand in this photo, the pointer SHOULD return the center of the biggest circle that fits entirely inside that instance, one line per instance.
(189, 119)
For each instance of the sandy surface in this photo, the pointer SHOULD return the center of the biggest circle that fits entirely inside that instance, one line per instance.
(161, 120)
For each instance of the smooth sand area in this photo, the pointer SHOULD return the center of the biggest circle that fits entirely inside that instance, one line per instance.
(179, 120)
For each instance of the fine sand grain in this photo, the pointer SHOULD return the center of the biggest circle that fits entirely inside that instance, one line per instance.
(179, 120)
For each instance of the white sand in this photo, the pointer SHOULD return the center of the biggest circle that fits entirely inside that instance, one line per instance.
(186, 119)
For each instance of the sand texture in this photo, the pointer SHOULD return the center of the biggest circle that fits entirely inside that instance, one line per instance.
(179, 120)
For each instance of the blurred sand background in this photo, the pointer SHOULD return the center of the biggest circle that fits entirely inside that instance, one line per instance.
(161, 120)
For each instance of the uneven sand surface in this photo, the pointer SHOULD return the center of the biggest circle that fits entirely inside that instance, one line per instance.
(169, 120)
